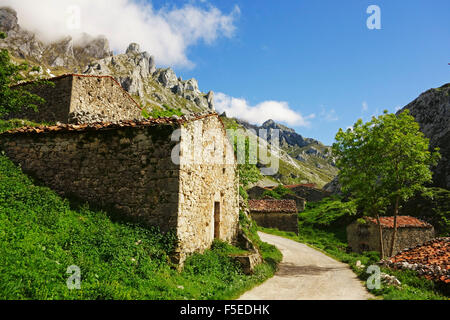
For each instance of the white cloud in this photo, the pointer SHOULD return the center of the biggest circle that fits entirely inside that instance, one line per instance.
(276, 110)
(365, 107)
(328, 115)
(166, 33)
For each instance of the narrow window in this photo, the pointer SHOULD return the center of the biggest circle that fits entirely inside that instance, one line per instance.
(216, 220)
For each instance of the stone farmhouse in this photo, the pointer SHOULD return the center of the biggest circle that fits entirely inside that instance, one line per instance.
(410, 233)
(279, 214)
(176, 173)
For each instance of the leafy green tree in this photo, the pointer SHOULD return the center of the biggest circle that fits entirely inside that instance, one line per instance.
(384, 161)
(406, 159)
(15, 99)
(358, 158)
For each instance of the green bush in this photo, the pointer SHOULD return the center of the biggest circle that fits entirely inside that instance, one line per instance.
(277, 193)
(162, 113)
(329, 212)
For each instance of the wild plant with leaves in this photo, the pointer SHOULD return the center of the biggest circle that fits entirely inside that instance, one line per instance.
(15, 99)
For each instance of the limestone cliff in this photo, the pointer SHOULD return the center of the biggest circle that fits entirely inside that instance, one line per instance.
(432, 111)
(155, 88)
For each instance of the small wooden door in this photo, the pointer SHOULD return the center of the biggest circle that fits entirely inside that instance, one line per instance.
(216, 220)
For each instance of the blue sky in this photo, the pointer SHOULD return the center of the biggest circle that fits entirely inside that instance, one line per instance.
(320, 57)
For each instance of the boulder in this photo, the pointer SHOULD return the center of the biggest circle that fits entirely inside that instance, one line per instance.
(133, 48)
(8, 19)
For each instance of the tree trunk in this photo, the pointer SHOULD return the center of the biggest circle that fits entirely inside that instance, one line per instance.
(380, 230)
(394, 234)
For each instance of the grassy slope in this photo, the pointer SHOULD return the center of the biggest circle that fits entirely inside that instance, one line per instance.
(41, 235)
(317, 228)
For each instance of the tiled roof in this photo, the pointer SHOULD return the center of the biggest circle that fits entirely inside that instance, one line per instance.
(291, 186)
(432, 259)
(103, 125)
(267, 206)
(307, 185)
(402, 222)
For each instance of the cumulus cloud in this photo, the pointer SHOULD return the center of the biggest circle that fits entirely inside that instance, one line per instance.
(276, 110)
(167, 32)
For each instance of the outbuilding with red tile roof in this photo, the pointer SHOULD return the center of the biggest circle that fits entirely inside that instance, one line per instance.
(363, 235)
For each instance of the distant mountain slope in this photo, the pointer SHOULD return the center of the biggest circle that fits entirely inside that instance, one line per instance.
(313, 162)
(432, 111)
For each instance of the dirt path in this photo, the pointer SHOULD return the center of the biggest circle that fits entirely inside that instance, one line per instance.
(307, 274)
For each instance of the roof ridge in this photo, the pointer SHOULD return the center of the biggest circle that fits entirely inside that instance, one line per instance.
(68, 127)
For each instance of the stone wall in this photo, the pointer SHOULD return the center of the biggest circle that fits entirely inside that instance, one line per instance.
(281, 221)
(208, 179)
(96, 99)
(81, 99)
(365, 237)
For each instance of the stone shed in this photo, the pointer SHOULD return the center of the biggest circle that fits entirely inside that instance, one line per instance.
(175, 173)
(80, 99)
(278, 214)
(364, 236)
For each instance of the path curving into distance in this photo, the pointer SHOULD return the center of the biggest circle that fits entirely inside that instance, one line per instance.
(307, 274)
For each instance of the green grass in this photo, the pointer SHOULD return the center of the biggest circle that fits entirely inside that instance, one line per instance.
(42, 234)
(322, 227)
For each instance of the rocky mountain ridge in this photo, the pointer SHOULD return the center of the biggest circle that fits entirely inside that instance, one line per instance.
(66, 53)
(294, 144)
(432, 111)
(155, 88)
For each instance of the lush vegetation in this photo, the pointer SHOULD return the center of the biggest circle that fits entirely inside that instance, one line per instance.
(278, 192)
(167, 112)
(248, 171)
(13, 100)
(330, 212)
(433, 206)
(41, 235)
(322, 226)
(383, 162)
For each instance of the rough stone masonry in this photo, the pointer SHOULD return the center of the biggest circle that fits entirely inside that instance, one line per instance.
(131, 167)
